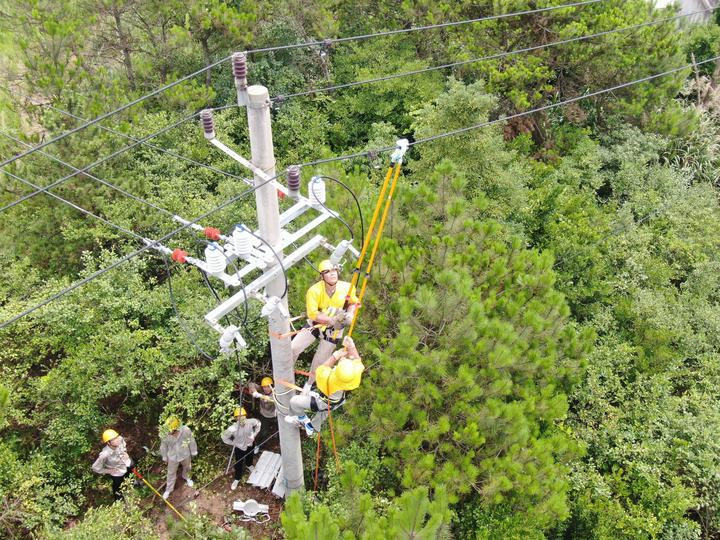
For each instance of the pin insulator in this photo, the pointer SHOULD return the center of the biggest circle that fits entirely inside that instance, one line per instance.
(206, 118)
(239, 66)
(293, 181)
(211, 233)
(178, 255)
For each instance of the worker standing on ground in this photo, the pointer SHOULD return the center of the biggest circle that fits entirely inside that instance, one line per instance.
(341, 372)
(176, 448)
(330, 305)
(241, 436)
(114, 460)
(264, 394)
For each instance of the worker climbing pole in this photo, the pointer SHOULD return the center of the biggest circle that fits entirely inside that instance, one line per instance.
(342, 371)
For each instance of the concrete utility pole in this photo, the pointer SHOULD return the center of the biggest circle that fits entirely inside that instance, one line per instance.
(261, 148)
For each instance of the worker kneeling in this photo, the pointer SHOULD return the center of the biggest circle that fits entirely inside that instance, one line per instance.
(339, 373)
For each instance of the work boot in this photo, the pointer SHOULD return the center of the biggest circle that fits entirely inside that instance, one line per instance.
(189, 482)
(234, 485)
(307, 424)
(166, 495)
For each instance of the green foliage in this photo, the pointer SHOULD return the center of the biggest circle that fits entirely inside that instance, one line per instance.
(412, 515)
(505, 251)
(201, 527)
(120, 521)
(469, 392)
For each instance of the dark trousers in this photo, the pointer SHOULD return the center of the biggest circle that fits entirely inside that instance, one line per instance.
(117, 482)
(241, 458)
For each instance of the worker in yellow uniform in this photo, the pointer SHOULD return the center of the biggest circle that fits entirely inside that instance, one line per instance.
(339, 373)
(330, 305)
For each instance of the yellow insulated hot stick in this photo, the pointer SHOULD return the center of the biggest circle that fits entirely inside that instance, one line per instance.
(397, 159)
(156, 492)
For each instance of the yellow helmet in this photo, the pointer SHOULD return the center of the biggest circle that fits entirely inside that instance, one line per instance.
(172, 423)
(266, 381)
(109, 434)
(345, 376)
(239, 411)
(326, 265)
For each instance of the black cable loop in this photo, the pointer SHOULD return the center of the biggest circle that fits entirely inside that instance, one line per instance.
(181, 321)
(357, 204)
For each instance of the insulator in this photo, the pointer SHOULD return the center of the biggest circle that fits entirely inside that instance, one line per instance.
(206, 118)
(239, 67)
(227, 338)
(242, 241)
(178, 255)
(316, 190)
(293, 181)
(212, 233)
(215, 259)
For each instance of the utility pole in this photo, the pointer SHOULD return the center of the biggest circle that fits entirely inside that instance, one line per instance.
(268, 211)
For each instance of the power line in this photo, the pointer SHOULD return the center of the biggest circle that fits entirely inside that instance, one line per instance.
(336, 159)
(282, 97)
(77, 171)
(278, 48)
(108, 157)
(133, 254)
(77, 207)
(561, 103)
(154, 147)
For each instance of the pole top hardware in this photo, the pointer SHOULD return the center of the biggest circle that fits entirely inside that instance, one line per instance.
(401, 147)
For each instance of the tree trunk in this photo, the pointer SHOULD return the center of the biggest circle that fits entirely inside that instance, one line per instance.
(124, 41)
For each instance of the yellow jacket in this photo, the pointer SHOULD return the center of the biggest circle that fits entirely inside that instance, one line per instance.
(317, 299)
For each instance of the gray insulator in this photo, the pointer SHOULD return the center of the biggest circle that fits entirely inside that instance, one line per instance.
(293, 181)
(206, 118)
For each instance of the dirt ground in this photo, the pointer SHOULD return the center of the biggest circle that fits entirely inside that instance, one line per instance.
(216, 501)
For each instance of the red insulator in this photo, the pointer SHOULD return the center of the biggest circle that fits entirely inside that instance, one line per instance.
(212, 233)
(178, 255)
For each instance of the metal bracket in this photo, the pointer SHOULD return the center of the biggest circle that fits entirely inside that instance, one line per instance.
(402, 146)
(273, 304)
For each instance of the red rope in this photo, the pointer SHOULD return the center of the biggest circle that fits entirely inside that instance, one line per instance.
(317, 463)
(332, 436)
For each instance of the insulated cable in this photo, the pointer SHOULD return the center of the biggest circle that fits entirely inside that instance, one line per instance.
(284, 47)
(335, 215)
(156, 147)
(181, 321)
(283, 97)
(235, 198)
(89, 175)
(108, 157)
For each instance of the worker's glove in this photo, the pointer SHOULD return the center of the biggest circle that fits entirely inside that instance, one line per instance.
(348, 342)
(340, 353)
(314, 394)
(338, 320)
(348, 319)
(165, 459)
(257, 394)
